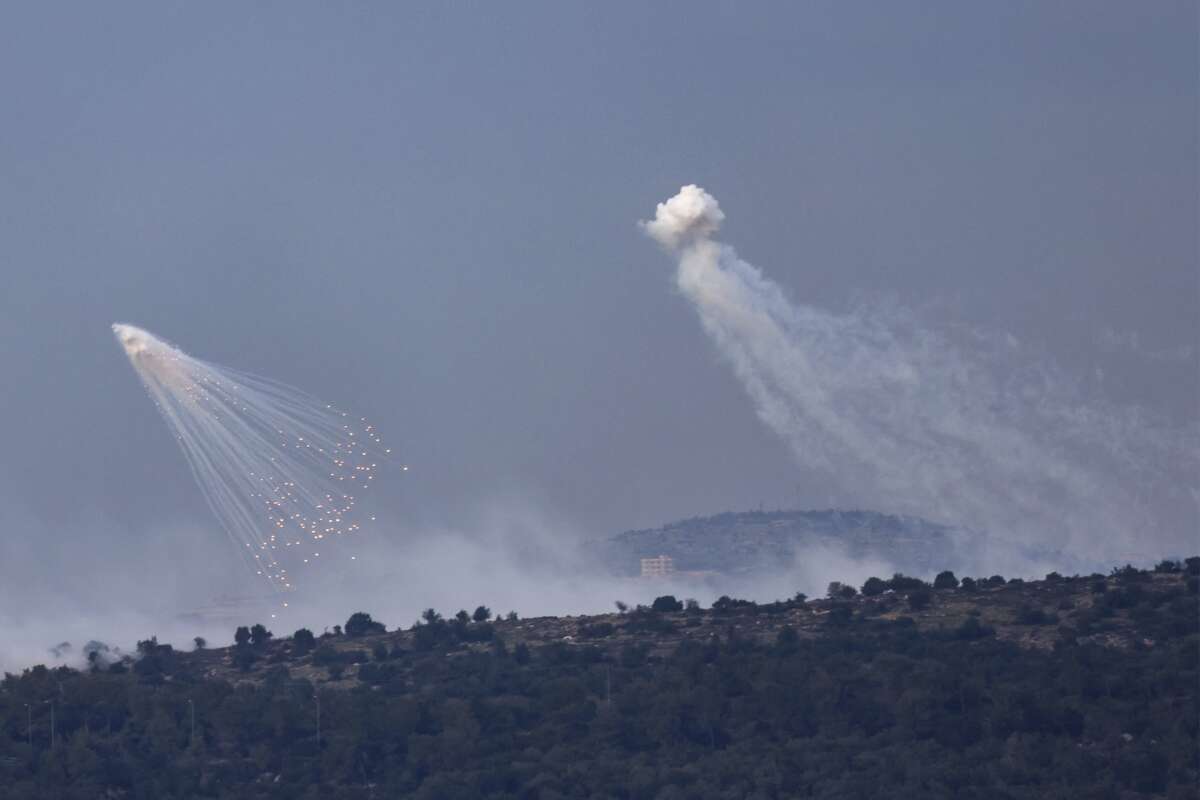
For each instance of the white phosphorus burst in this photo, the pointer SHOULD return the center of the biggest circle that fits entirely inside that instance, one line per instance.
(279, 468)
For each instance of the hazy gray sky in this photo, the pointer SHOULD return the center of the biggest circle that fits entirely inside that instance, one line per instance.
(426, 213)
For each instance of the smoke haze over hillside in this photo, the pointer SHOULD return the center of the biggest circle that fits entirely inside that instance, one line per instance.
(422, 214)
(967, 427)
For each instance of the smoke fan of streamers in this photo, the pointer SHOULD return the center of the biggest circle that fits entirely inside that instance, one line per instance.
(964, 427)
(280, 469)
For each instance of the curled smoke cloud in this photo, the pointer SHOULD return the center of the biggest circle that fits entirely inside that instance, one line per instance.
(691, 215)
(958, 425)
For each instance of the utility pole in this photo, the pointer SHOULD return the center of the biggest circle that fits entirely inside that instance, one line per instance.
(192, 709)
(29, 724)
(317, 698)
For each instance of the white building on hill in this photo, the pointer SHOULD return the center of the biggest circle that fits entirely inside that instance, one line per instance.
(658, 566)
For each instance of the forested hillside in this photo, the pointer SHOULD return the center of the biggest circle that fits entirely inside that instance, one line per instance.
(1080, 687)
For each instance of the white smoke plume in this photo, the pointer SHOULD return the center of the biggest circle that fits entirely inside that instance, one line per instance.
(691, 215)
(507, 554)
(276, 466)
(955, 425)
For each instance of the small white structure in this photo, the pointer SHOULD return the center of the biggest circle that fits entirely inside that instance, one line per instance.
(658, 566)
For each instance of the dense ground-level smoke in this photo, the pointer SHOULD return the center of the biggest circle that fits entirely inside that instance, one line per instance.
(280, 469)
(959, 426)
(507, 553)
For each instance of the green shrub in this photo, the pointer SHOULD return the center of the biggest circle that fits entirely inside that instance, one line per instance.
(361, 624)
(874, 586)
(945, 580)
(919, 599)
(666, 604)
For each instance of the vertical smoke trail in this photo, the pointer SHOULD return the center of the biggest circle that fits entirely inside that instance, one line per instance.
(966, 429)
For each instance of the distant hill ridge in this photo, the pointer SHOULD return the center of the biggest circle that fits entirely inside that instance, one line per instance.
(738, 542)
